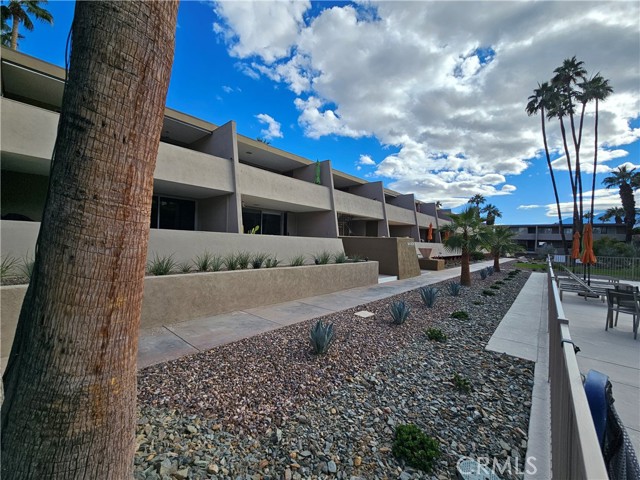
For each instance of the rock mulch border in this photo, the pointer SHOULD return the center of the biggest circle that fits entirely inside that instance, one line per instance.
(267, 408)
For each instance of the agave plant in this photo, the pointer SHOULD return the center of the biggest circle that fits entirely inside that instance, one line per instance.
(271, 262)
(340, 257)
(158, 265)
(429, 295)
(322, 258)
(244, 258)
(399, 312)
(454, 288)
(321, 337)
(483, 274)
(258, 259)
(490, 271)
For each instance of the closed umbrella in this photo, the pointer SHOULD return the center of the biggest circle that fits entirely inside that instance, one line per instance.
(588, 257)
(575, 246)
(430, 233)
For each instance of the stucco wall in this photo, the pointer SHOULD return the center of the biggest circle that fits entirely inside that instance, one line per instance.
(355, 205)
(18, 239)
(177, 298)
(396, 256)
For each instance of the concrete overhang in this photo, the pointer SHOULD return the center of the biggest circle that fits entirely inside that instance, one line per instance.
(266, 157)
(249, 201)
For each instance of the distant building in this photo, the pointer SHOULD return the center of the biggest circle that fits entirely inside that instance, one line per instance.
(532, 237)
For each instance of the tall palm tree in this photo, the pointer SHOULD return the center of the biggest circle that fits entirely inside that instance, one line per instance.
(617, 213)
(559, 107)
(464, 234)
(20, 11)
(499, 241)
(477, 200)
(70, 380)
(627, 181)
(491, 211)
(598, 89)
(538, 102)
(565, 79)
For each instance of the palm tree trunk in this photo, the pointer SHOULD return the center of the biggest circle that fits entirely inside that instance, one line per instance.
(14, 32)
(578, 180)
(553, 182)
(496, 262)
(595, 164)
(465, 269)
(70, 382)
(629, 206)
(574, 191)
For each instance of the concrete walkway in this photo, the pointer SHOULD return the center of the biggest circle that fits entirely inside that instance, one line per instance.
(169, 342)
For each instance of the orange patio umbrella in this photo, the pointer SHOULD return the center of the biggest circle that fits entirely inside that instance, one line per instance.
(575, 246)
(588, 257)
(430, 233)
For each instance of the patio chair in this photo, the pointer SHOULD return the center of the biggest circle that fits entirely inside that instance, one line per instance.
(626, 302)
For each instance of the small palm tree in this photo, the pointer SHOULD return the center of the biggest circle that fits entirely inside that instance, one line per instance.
(627, 181)
(464, 234)
(492, 212)
(20, 11)
(499, 241)
(617, 213)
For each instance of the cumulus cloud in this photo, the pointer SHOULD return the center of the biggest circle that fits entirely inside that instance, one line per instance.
(273, 127)
(450, 100)
(366, 160)
(603, 199)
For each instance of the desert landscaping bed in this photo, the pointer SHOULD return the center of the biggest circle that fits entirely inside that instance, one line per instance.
(268, 408)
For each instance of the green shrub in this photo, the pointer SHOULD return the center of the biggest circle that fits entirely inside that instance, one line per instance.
(271, 262)
(244, 258)
(321, 337)
(184, 267)
(203, 262)
(355, 258)
(231, 262)
(478, 302)
(429, 295)
(436, 335)
(322, 258)
(495, 287)
(216, 264)
(454, 288)
(161, 265)
(488, 293)
(297, 261)
(477, 256)
(6, 266)
(399, 312)
(498, 282)
(340, 257)
(258, 259)
(461, 383)
(460, 315)
(415, 447)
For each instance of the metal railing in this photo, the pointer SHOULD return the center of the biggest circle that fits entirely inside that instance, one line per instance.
(623, 268)
(575, 451)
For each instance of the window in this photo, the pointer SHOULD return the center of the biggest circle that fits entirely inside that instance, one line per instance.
(173, 213)
(270, 223)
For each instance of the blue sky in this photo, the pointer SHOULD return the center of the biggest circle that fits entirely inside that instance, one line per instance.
(427, 97)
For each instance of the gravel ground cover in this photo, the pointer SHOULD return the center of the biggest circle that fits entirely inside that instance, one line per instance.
(267, 408)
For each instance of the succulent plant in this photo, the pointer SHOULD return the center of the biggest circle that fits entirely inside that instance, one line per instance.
(460, 315)
(399, 312)
(321, 337)
(483, 273)
(436, 335)
(454, 288)
(429, 295)
(415, 447)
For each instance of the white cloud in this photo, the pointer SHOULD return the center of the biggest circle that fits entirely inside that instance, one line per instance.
(273, 127)
(445, 83)
(603, 199)
(529, 207)
(365, 160)
(264, 29)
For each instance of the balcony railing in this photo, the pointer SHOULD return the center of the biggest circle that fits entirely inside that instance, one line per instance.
(575, 451)
(622, 268)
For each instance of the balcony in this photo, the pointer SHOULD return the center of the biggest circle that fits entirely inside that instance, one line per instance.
(400, 216)
(357, 206)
